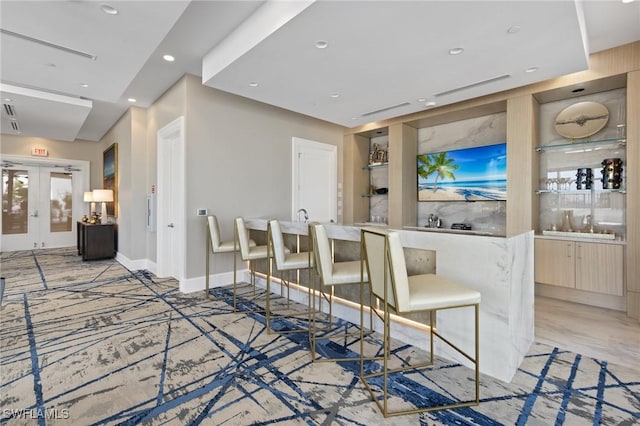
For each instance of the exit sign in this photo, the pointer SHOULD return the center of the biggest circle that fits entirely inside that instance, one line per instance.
(40, 152)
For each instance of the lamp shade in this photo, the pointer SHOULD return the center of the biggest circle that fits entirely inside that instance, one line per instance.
(102, 195)
(88, 196)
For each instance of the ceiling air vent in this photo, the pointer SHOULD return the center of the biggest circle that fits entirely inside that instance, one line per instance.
(15, 126)
(49, 44)
(10, 110)
(472, 85)
(385, 109)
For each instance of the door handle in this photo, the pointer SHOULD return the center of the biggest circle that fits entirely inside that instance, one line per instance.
(35, 213)
(170, 225)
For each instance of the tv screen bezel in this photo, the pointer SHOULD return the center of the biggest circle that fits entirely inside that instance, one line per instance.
(475, 192)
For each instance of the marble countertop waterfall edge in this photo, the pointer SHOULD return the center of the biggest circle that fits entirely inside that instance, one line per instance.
(501, 268)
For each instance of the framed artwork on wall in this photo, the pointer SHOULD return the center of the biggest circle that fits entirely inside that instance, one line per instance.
(110, 176)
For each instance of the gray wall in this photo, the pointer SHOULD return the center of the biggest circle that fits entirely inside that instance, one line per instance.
(238, 163)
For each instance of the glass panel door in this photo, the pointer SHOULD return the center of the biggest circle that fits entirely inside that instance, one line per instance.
(38, 207)
(20, 227)
(15, 202)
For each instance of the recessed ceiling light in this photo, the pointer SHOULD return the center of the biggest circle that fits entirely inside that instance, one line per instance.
(354, 118)
(7, 99)
(430, 103)
(514, 29)
(421, 100)
(335, 95)
(253, 83)
(321, 44)
(84, 85)
(108, 9)
(168, 58)
(532, 69)
(456, 51)
(628, 1)
(132, 100)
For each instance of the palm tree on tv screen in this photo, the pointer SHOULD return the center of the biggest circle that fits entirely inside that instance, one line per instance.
(439, 164)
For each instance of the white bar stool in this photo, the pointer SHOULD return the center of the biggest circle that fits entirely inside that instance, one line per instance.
(332, 274)
(249, 252)
(285, 262)
(383, 255)
(215, 245)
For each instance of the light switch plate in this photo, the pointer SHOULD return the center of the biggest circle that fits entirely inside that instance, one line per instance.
(201, 212)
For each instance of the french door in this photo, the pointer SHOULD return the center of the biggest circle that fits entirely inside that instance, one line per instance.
(40, 205)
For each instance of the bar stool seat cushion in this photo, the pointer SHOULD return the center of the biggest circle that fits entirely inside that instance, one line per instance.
(429, 291)
(229, 246)
(259, 252)
(294, 261)
(346, 273)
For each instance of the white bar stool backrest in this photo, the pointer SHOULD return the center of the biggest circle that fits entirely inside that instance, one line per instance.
(277, 241)
(387, 267)
(243, 238)
(214, 233)
(322, 250)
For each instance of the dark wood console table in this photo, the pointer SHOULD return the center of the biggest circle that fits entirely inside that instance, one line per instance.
(96, 241)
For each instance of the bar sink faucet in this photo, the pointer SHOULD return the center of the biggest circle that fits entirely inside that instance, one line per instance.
(306, 215)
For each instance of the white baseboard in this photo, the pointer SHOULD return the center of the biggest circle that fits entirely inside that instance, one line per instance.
(132, 265)
(190, 285)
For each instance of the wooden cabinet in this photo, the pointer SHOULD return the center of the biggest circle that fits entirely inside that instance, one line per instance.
(587, 266)
(96, 241)
(555, 262)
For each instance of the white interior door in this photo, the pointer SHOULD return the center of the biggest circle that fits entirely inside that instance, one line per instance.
(41, 203)
(315, 180)
(171, 226)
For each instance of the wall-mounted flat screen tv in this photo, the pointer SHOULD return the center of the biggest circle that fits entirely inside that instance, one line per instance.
(470, 174)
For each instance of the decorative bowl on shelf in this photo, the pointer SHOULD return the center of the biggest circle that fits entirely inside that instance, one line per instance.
(581, 119)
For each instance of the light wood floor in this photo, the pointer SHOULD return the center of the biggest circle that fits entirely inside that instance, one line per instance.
(595, 332)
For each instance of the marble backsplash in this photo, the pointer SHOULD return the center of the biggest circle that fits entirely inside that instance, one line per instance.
(485, 216)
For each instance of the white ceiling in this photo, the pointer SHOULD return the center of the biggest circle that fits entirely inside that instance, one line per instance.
(380, 54)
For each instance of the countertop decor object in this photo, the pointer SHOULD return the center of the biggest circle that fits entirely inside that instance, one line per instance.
(581, 119)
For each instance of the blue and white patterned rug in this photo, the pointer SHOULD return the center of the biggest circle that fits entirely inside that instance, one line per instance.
(94, 343)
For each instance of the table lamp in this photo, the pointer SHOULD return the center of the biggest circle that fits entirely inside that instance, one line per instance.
(103, 196)
(88, 198)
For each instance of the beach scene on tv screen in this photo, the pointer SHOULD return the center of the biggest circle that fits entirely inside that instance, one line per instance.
(470, 174)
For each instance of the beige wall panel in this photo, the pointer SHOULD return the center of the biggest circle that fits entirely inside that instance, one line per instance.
(403, 148)
(522, 170)
(356, 180)
(633, 193)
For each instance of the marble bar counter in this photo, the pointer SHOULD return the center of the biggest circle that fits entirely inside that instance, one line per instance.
(501, 268)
